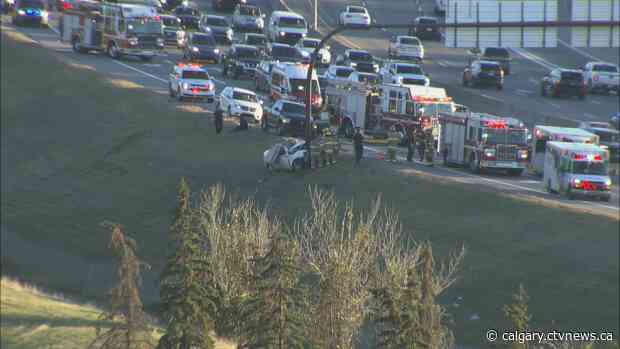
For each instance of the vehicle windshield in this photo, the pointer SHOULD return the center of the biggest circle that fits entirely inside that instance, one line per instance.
(343, 73)
(410, 41)
(431, 109)
(504, 136)
(186, 11)
(247, 53)
(143, 26)
(605, 68)
(292, 22)
(284, 52)
(256, 40)
(353, 9)
(489, 68)
(311, 43)
(293, 108)
(360, 56)
(190, 22)
(365, 67)
(195, 74)
(589, 168)
(572, 76)
(608, 137)
(249, 11)
(246, 97)
(217, 22)
(427, 21)
(409, 69)
(407, 81)
(299, 85)
(32, 4)
(171, 22)
(496, 52)
(367, 78)
(203, 40)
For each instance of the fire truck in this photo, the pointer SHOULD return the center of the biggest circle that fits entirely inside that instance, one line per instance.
(482, 141)
(118, 29)
(377, 109)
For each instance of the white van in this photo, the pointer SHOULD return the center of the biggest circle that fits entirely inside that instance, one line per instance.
(288, 81)
(287, 27)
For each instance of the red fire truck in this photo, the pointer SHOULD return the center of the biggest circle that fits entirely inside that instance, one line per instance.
(483, 141)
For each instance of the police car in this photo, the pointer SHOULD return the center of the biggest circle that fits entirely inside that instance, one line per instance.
(191, 81)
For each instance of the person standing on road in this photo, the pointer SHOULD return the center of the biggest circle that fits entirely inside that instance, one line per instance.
(421, 143)
(410, 144)
(219, 120)
(358, 145)
(243, 124)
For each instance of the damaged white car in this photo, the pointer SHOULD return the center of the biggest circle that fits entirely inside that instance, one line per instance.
(288, 155)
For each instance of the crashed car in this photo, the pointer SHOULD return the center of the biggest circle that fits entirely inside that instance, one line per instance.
(289, 155)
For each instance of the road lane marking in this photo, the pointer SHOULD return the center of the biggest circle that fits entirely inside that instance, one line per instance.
(533, 81)
(441, 63)
(581, 52)
(534, 58)
(491, 98)
(595, 101)
(554, 105)
(140, 71)
(151, 65)
(526, 92)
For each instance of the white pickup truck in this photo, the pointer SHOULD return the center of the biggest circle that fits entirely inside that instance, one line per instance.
(601, 76)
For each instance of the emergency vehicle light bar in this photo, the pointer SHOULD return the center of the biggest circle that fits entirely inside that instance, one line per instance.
(496, 124)
(431, 99)
(190, 65)
(590, 157)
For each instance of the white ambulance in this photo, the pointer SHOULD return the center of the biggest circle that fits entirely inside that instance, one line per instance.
(288, 81)
(543, 134)
(577, 169)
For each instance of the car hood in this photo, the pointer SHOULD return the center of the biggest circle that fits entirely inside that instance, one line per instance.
(411, 76)
(249, 60)
(294, 30)
(296, 116)
(248, 104)
(205, 48)
(591, 178)
(496, 58)
(197, 81)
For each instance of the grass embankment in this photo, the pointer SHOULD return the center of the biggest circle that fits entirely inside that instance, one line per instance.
(76, 150)
(32, 319)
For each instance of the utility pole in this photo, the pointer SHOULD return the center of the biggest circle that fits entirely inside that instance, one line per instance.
(316, 15)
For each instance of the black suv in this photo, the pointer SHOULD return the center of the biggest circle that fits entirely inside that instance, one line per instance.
(257, 40)
(171, 25)
(284, 53)
(483, 73)
(499, 55)
(201, 48)
(189, 16)
(289, 118)
(425, 28)
(563, 82)
(241, 60)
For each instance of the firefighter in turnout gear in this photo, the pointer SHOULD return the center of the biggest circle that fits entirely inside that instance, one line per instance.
(420, 143)
(331, 146)
(410, 141)
(429, 146)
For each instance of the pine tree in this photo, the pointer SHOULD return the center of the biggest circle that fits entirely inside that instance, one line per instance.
(129, 328)
(273, 311)
(186, 288)
(518, 313)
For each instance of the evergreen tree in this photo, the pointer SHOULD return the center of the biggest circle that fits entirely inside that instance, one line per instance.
(273, 311)
(186, 288)
(129, 328)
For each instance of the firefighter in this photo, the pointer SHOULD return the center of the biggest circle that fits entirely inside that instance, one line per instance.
(243, 124)
(358, 145)
(219, 120)
(429, 146)
(421, 143)
(410, 144)
(330, 145)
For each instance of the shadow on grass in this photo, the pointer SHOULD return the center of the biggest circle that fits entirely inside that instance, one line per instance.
(13, 320)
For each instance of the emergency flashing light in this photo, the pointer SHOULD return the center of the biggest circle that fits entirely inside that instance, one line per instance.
(495, 124)
(579, 157)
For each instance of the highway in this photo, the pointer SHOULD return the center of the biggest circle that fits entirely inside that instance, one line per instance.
(520, 97)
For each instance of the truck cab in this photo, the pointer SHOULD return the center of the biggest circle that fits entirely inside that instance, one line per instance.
(577, 170)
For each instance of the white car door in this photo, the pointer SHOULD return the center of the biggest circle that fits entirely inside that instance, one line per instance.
(225, 99)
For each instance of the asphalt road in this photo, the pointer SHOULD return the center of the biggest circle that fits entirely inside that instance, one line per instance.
(444, 65)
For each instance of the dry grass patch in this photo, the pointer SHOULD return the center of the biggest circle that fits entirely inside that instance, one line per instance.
(120, 83)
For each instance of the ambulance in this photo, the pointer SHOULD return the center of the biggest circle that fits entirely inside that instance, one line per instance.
(288, 81)
(543, 134)
(577, 169)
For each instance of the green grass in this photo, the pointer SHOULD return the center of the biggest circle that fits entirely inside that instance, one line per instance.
(32, 319)
(77, 151)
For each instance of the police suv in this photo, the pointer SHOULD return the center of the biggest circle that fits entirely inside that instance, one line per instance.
(191, 81)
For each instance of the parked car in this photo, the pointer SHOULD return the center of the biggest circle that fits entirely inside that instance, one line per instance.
(286, 156)
(284, 53)
(202, 48)
(225, 5)
(500, 55)
(241, 60)
(235, 101)
(287, 117)
(248, 17)
(30, 12)
(404, 73)
(359, 60)
(171, 25)
(357, 16)
(601, 76)
(425, 28)
(480, 72)
(406, 47)
(219, 28)
(608, 137)
(563, 82)
(309, 44)
(338, 73)
(262, 77)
